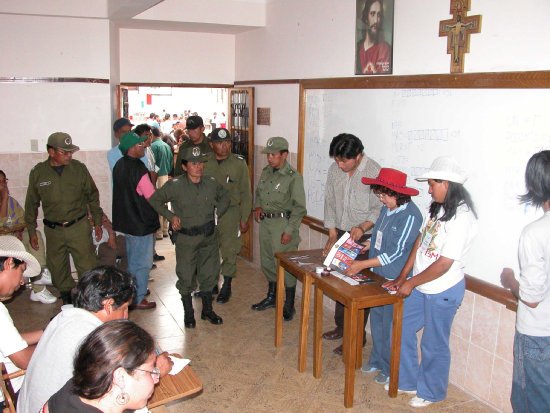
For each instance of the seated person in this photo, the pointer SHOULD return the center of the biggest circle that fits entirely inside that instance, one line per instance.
(111, 248)
(12, 222)
(102, 294)
(15, 348)
(114, 371)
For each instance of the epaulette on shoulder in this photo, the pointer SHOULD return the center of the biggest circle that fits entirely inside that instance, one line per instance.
(239, 157)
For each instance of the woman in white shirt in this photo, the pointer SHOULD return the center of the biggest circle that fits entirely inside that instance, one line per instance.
(436, 289)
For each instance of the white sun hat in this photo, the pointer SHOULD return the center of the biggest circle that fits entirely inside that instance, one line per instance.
(10, 246)
(446, 169)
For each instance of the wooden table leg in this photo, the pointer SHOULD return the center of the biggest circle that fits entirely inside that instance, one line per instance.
(279, 304)
(317, 331)
(304, 322)
(360, 334)
(350, 343)
(395, 347)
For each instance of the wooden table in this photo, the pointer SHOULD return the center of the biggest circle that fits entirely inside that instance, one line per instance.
(176, 387)
(302, 265)
(355, 298)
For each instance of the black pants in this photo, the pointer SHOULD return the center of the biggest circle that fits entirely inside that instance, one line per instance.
(339, 308)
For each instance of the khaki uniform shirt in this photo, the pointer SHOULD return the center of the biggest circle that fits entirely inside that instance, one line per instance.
(232, 173)
(193, 203)
(282, 191)
(64, 197)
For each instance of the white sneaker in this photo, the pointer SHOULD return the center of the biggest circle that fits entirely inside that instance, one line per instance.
(45, 279)
(44, 296)
(419, 402)
(387, 388)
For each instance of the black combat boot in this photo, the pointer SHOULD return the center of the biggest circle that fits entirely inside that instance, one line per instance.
(207, 312)
(189, 316)
(269, 301)
(66, 296)
(288, 309)
(225, 292)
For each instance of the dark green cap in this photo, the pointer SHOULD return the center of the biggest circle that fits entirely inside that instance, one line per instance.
(130, 139)
(193, 154)
(62, 140)
(276, 144)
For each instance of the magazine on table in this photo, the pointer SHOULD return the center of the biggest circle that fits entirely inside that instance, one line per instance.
(340, 257)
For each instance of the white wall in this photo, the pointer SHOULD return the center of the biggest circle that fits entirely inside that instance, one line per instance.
(35, 46)
(54, 46)
(176, 57)
(315, 38)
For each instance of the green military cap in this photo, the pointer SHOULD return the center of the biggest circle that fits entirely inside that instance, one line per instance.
(220, 135)
(193, 154)
(62, 140)
(276, 144)
(130, 139)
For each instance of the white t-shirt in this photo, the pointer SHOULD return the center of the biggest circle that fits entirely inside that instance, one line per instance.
(51, 364)
(10, 343)
(450, 239)
(534, 278)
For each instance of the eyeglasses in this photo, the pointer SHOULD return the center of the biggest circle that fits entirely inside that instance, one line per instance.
(381, 195)
(153, 373)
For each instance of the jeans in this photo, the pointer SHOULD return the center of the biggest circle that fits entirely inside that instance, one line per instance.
(139, 251)
(435, 313)
(531, 380)
(380, 327)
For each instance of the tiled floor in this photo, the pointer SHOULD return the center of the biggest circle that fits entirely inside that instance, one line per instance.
(239, 366)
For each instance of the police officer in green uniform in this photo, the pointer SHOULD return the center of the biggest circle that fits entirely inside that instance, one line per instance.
(195, 129)
(232, 172)
(66, 190)
(195, 198)
(280, 205)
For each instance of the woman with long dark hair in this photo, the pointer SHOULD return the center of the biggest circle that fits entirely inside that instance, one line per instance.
(436, 288)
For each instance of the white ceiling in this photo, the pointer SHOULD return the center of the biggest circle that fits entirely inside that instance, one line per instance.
(210, 16)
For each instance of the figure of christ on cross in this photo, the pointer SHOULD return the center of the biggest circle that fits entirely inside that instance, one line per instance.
(458, 32)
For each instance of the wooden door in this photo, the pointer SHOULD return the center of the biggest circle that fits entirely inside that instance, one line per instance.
(240, 122)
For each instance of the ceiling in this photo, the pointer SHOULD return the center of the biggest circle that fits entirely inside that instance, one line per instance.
(208, 16)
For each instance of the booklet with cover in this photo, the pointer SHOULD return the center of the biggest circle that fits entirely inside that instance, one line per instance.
(340, 257)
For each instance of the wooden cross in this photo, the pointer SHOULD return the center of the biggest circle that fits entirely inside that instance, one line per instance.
(458, 30)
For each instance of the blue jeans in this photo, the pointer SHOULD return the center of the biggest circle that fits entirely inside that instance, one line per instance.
(435, 313)
(139, 251)
(531, 380)
(380, 328)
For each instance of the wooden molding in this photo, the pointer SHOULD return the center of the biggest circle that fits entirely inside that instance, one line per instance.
(267, 82)
(145, 84)
(473, 284)
(14, 79)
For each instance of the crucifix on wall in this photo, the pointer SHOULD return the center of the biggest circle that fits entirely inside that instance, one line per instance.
(458, 30)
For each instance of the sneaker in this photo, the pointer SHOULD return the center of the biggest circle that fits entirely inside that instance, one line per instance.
(419, 402)
(45, 278)
(382, 378)
(44, 296)
(387, 388)
(367, 368)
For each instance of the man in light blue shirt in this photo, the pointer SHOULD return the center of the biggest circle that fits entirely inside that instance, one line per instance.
(120, 127)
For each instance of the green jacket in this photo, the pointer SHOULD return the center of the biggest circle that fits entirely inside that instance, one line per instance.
(193, 203)
(64, 197)
(282, 191)
(205, 148)
(232, 173)
(163, 156)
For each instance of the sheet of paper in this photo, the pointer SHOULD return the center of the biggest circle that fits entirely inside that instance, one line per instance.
(179, 364)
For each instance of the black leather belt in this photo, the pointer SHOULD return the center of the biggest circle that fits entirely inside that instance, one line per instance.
(275, 215)
(65, 224)
(206, 229)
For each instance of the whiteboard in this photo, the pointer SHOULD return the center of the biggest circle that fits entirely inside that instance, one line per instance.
(491, 132)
